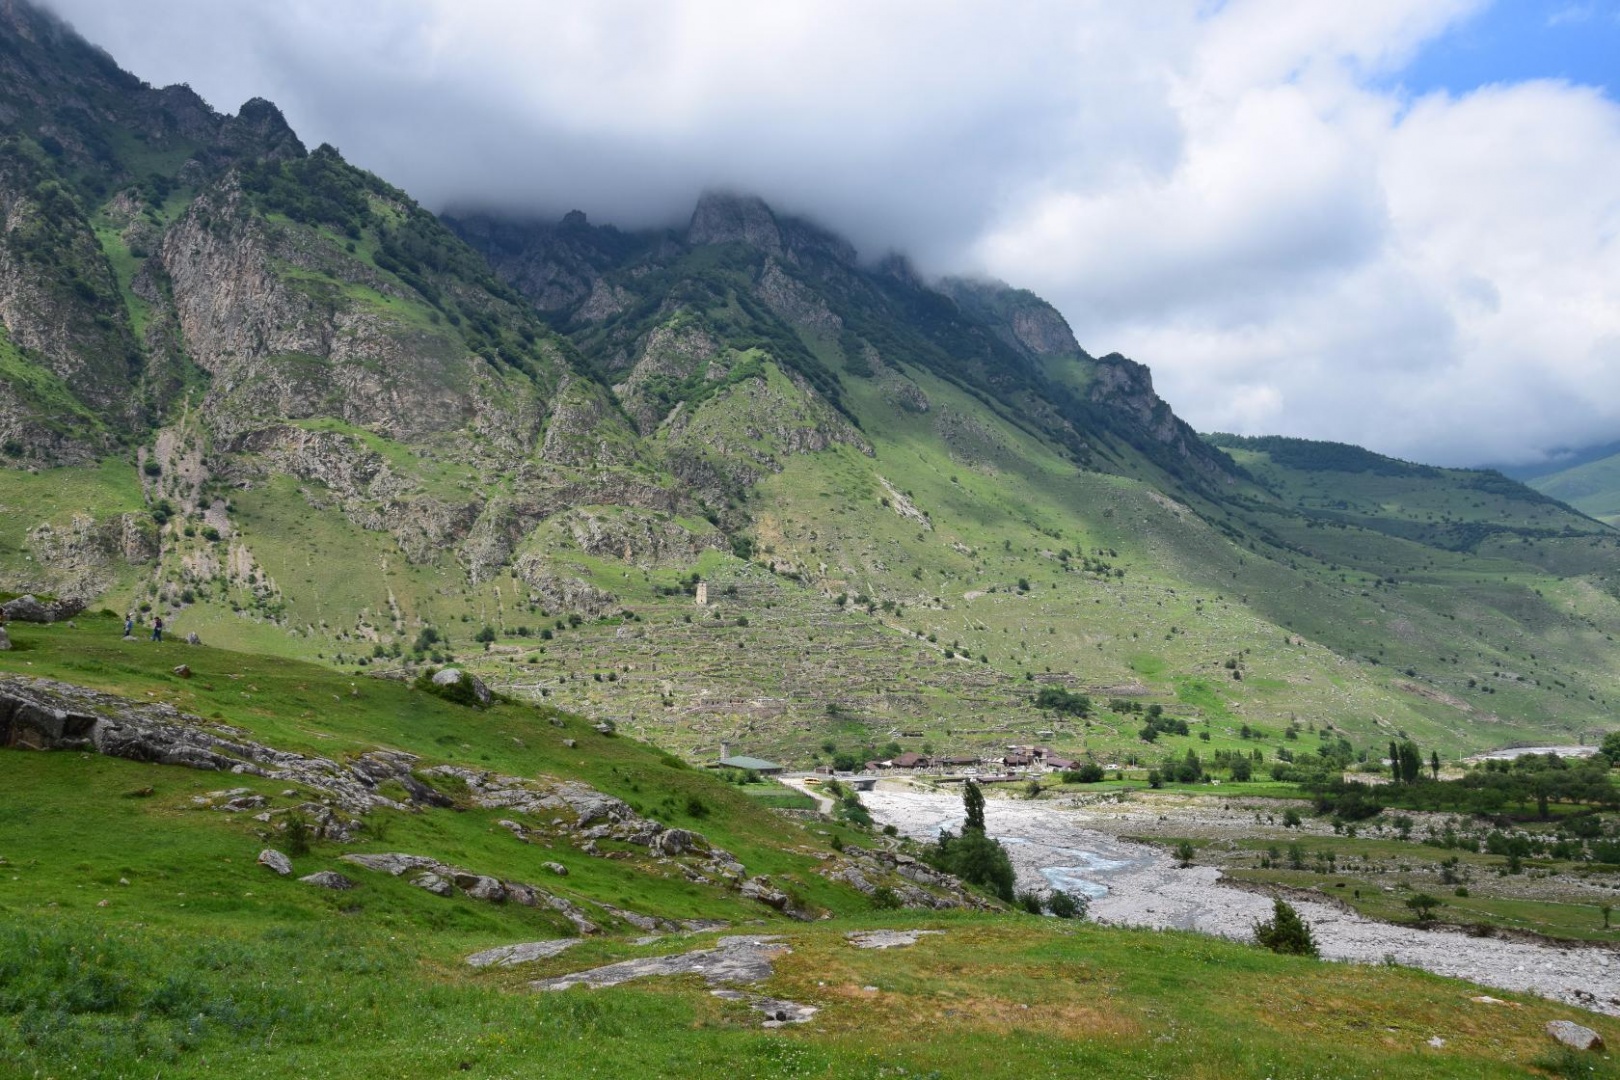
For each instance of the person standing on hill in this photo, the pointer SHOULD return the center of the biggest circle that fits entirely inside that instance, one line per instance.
(157, 628)
(129, 626)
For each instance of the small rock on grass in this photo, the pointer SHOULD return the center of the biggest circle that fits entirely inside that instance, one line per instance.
(272, 859)
(327, 879)
(1572, 1034)
(182, 671)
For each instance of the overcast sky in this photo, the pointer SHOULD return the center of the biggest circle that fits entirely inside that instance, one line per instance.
(1389, 222)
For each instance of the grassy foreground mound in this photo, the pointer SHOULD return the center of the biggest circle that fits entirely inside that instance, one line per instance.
(138, 938)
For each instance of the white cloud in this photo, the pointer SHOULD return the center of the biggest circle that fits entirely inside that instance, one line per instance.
(1230, 192)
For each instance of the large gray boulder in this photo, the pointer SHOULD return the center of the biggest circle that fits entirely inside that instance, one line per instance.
(1574, 1035)
(455, 676)
(29, 608)
(25, 609)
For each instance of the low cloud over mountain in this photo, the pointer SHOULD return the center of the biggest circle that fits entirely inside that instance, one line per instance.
(1244, 196)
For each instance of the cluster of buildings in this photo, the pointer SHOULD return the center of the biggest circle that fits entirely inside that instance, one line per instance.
(1026, 759)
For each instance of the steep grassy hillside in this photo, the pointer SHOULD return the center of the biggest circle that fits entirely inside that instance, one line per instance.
(141, 940)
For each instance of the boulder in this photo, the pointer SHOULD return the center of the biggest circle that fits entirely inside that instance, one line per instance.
(756, 889)
(556, 868)
(433, 883)
(182, 671)
(450, 677)
(1574, 1035)
(484, 888)
(29, 608)
(271, 859)
(673, 842)
(394, 862)
(25, 609)
(328, 879)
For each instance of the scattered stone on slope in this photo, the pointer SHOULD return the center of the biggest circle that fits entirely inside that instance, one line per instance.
(1574, 1035)
(271, 859)
(328, 879)
(527, 952)
(596, 816)
(887, 939)
(444, 880)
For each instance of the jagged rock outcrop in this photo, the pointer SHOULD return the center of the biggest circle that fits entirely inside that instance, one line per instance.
(554, 592)
(86, 554)
(1124, 386)
(723, 218)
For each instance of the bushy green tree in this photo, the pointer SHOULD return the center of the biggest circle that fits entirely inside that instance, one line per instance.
(1286, 932)
(974, 856)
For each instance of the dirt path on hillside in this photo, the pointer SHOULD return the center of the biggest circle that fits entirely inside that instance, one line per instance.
(1136, 885)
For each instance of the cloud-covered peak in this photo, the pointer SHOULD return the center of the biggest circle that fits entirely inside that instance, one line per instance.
(1241, 195)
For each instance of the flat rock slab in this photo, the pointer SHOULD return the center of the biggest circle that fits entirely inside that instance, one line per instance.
(887, 939)
(528, 952)
(733, 960)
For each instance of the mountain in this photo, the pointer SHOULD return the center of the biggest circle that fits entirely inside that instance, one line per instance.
(725, 482)
(252, 388)
(1592, 485)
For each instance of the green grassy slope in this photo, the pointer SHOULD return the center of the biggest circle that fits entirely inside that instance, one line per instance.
(138, 938)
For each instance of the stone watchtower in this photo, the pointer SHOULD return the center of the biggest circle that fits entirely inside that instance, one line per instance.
(703, 594)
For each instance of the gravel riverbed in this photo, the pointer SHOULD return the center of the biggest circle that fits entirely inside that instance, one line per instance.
(1133, 884)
